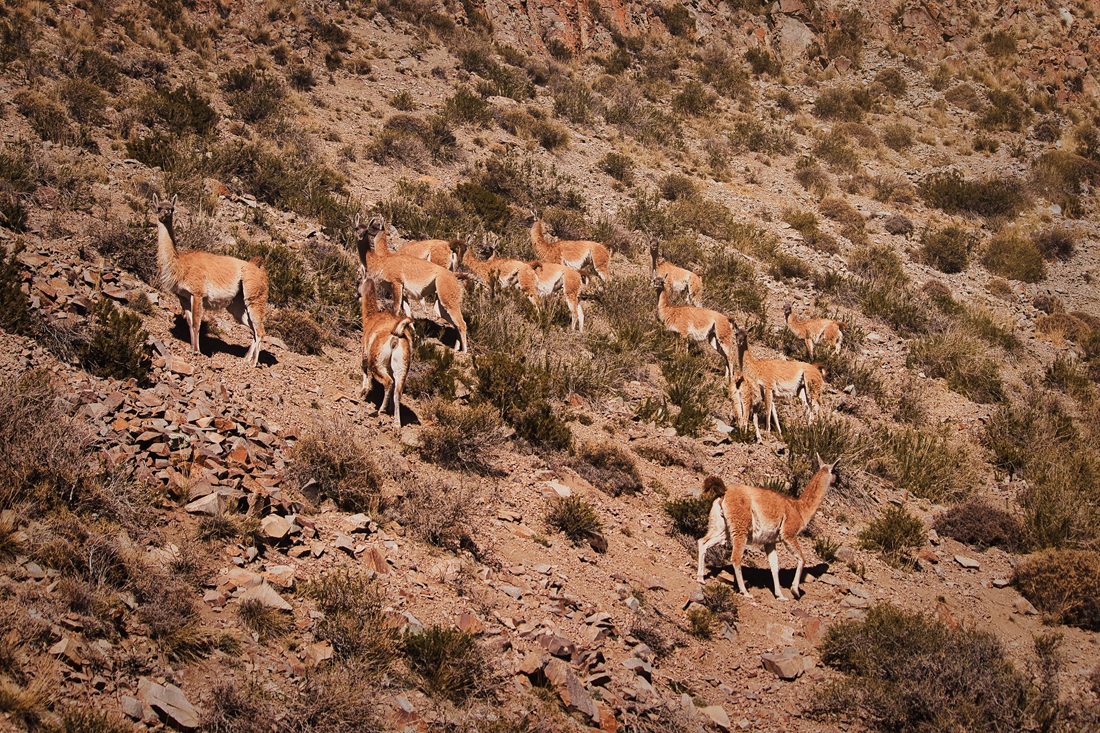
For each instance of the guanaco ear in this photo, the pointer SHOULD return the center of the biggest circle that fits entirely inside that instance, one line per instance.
(174, 200)
(820, 462)
(832, 466)
(355, 224)
(156, 200)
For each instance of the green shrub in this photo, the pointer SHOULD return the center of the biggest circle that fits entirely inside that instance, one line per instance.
(117, 349)
(619, 166)
(677, 19)
(851, 221)
(84, 100)
(608, 467)
(15, 305)
(894, 534)
(843, 103)
(893, 81)
(298, 330)
(327, 464)
(45, 116)
(521, 392)
(464, 107)
(1060, 176)
(979, 524)
(576, 519)
(993, 197)
(574, 99)
(1010, 255)
(287, 281)
(847, 35)
(355, 621)
(722, 601)
(897, 136)
(1061, 584)
(690, 386)
(694, 99)
(835, 150)
(301, 77)
(689, 515)
(182, 110)
(448, 662)
(908, 672)
(961, 361)
(946, 249)
(254, 94)
(1005, 111)
(879, 265)
(460, 437)
(999, 44)
(762, 61)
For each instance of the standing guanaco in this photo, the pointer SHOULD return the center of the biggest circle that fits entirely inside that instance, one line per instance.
(697, 324)
(816, 330)
(574, 253)
(771, 378)
(387, 348)
(677, 279)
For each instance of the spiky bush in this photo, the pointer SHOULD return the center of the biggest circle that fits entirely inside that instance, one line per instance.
(1061, 584)
(117, 349)
(894, 533)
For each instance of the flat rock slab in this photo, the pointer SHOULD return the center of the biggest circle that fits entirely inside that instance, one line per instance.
(787, 664)
(716, 715)
(169, 700)
(570, 689)
(266, 595)
(967, 562)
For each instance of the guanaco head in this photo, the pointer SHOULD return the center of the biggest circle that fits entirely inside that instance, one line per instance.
(742, 338)
(658, 283)
(787, 310)
(831, 474)
(165, 209)
(365, 234)
(532, 217)
(713, 487)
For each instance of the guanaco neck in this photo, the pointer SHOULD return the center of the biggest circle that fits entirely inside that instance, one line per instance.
(369, 304)
(662, 304)
(813, 495)
(543, 248)
(795, 323)
(653, 261)
(745, 362)
(167, 258)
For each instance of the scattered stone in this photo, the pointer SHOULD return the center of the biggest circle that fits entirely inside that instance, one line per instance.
(211, 505)
(168, 700)
(556, 645)
(1023, 606)
(639, 667)
(275, 527)
(1002, 582)
(716, 715)
(570, 689)
(266, 595)
(967, 562)
(315, 654)
(787, 664)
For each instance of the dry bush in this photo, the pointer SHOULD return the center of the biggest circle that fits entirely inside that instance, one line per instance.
(449, 662)
(979, 524)
(439, 514)
(689, 515)
(1062, 584)
(908, 673)
(130, 245)
(171, 618)
(236, 710)
(812, 176)
(850, 220)
(961, 361)
(829, 437)
(461, 437)
(329, 463)
(897, 136)
(608, 467)
(836, 152)
(922, 462)
(262, 620)
(1055, 244)
(339, 698)
(843, 103)
(253, 94)
(521, 392)
(946, 249)
(1005, 111)
(15, 306)
(355, 621)
(894, 82)
(898, 225)
(1010, 255)
(894, 533)
(298, 330)
(43, 451)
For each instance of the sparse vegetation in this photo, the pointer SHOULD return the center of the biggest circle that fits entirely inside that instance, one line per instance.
(1010, 255)
(448, 661)
(910, 672)
(961, 361)
(327, 464)
(576, 519)
(460, 437)
(1060, 583)
(298, 330)
(355, 621)
(979, 524)
(117, 348)
(1055, 244)
(946, 249)
(894, 533)
(923, 462)
(991, 197)
(608, 467)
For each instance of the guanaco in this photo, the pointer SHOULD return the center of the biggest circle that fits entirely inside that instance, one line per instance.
(387, 349)
(506, 273)
(677, 279)
(815, 330)
(409, 277)
(552, 277)
(772, 378)
(205, 280)
(697, 324)
(437, 251)
(574, 253)
(756, 516)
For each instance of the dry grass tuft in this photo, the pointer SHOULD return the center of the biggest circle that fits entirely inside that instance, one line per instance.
(328, 463)
(355, 621)
(461, 437)
(263, 621)
(448, 661)
(576, 519)
(607, 466)
(894, 533)
(1012, 256)
(961, 361)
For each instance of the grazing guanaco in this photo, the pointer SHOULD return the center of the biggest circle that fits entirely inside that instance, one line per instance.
(677, 279)
(772, 378)
(505, 272)
(552, 277)
(410, 277)
(387, 349)
(697, 324)
(574, 253)
(816, 330)
(437, 251)
(756, 516)
(202, 280)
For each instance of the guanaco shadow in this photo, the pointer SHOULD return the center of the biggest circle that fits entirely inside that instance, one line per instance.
(374, 397)
(211, 344)
(761, 578)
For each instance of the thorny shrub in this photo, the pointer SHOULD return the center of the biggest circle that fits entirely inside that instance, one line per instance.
(981, 525)
(894, 533)
(1061, 584)
(328, 464)
(461, 437)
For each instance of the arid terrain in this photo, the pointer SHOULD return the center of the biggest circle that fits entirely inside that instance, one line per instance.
(192, 543)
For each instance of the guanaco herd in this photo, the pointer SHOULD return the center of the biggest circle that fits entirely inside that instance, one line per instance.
(433, 270)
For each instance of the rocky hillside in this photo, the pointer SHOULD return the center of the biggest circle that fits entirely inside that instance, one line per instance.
(188, 542)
